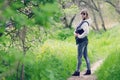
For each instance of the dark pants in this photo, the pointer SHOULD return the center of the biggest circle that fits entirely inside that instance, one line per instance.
(82, 50)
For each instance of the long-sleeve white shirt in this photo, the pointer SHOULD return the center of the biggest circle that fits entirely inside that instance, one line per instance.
(85, 27)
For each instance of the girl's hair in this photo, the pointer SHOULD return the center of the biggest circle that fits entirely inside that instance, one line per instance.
(85, 12)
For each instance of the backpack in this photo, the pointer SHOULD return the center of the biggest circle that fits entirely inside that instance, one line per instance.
(78, 30)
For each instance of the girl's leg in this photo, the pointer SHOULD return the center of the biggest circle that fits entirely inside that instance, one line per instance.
(88, 72)
(79, 57)
(86, 57)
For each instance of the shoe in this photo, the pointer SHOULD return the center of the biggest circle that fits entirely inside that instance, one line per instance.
(88, 72)
(76, 73)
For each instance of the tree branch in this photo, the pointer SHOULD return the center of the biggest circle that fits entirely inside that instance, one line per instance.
(116, 8)
(93, 7)
(110, 3)
(71, 21)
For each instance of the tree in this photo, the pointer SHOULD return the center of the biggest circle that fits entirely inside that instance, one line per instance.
(69, 12)
(115, 4)
(19, 17)
(95, 5)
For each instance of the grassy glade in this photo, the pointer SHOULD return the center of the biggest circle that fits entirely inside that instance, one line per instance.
(56, 58)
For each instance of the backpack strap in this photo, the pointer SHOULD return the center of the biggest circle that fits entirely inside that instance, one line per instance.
(82, 23)
(86, 22)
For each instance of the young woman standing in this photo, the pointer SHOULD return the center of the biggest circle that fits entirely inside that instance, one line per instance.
(81, 33)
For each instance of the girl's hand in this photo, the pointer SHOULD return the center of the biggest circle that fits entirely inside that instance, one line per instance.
(76, 35)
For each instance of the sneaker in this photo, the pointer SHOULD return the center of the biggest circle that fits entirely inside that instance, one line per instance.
(76, 73)
(88, 72)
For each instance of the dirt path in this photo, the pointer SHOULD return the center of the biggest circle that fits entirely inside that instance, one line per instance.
(88, 77)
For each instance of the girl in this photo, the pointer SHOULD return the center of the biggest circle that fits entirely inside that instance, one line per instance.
(81, 33)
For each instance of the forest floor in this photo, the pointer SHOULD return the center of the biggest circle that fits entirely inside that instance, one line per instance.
(88, 77)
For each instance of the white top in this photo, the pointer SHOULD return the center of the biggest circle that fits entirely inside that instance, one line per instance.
(85, 27)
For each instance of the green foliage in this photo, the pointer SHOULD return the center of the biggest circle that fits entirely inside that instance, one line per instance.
(63, 34)
(42, 14)
(46, 14)
(8, 62)
(73, 9)
(111, 67)
(51, 62)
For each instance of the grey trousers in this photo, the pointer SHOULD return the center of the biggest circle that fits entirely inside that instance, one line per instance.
(82, 50)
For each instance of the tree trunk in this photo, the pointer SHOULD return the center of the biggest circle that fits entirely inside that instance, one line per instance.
(22, 38)
(71, 21)
(65, 21)
(116, 6)
(101, 17)
(22, 73)
(95, 20)
(94, 15)
(17, 73)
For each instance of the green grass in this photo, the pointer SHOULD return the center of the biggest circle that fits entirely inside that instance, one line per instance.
(110, 69)
(58, 58)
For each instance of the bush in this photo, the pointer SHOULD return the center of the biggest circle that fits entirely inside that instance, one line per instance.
(63, 34)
